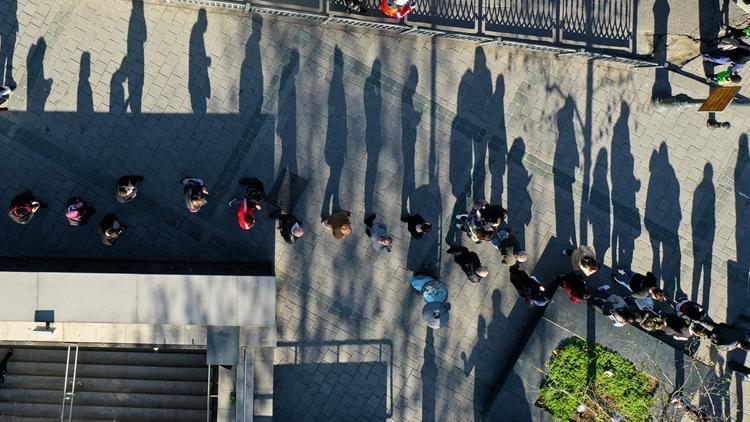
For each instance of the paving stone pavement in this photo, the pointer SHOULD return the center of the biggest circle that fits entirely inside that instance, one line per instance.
(375, 123)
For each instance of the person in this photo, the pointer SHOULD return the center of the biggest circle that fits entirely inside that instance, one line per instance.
(339, 224)
(492, 215)
(195, 193)
(4, 96)
(690, 309)
(430, 288)
(574, 284)
(4, 365)
(417, 225)
(507, 244)
(23, 208)
(725, 77)
(289, 227)
(78, 212)
(127, 188)
(736, 58)
(727, 336)
(355, 6)
(613, 306)
(529, 288)
(378, 233)
(397, 8)
(583, 259)
(246, 214)
(642, 287)
(255, 193)
(651, 321)
(469, 263)
(436, 314)
(110, 229)
(681, 328)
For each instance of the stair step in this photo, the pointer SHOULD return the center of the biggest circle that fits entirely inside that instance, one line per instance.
(109, 371)
(106, 399)
(13, 381)
(89, 413)
(111, 357)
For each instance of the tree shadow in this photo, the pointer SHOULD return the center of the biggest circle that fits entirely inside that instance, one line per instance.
(410, 119)
(199, 83)
(336, 136)
(703, 223)
(286, 128)
(599, 216)
(85, 100)
(498, 146)
(566, 161)
(373, 132)
(37, 87)
(8, 42)
(662, 220)
(626, 219)
(519, 199)
(429, 374)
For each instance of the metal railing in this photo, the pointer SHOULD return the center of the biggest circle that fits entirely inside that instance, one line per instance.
(596, 29)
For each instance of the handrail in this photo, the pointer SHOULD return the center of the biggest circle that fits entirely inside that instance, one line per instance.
(73, 387)
(65, 386)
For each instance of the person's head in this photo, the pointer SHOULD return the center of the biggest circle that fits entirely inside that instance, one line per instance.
(628, 316)
(657, 294)
(590, 263)
(735, 78)
(125, 190)
(386, 241)
(346, 228)
(298, 231)
(482, 272)
(521, 256)
(424, 228)
(651, 322)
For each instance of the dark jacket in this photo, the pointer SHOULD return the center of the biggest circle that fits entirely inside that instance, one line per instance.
(469, 262)
(574, 284)
(286, 223)
(133, 181)
(677, 326)
(726, 336)
(412, 222)
(525, 285)
(107, 223)
(641, 284)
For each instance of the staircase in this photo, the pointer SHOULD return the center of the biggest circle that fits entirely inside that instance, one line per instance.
(110, 385)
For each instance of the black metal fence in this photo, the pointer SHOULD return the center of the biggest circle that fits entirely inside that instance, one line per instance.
(598, 29)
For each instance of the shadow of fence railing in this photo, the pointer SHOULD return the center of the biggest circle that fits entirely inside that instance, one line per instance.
(597, 29)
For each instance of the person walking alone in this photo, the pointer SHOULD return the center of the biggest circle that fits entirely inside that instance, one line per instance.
(469, 263)
(195, 193)
(127, 188)
(339, 224)
(110, 229)
(416, 225)
(24, 207)
(378, 233)
(289, 227)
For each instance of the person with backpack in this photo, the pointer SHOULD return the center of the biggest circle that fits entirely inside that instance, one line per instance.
(23, 208)
(127, 188)
(195, 193)
(77, 212)
(110, 229)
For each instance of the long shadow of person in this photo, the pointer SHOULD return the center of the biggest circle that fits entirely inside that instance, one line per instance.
(85, 100)
(481, 86)
(286, 127)
(429, 375)
(199, 83)
(662, 87)
(132, 67)
(373, 132)
(626, 219)
(8, 42)
(410, 119)
(662, 219)
(498, 147)
(251, 74)
(703, 222)
(566, 161)
(336, 136)
(519, 199)
(599, 207)
(37, 87)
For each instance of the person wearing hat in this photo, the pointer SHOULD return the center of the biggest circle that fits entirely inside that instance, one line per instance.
(469, 262)
(528, 287)
(110, 229)
(339, 224)
(397, 8)
(23, 208)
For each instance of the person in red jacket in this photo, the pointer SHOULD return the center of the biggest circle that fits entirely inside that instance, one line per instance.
(246, 214)
(397, 8)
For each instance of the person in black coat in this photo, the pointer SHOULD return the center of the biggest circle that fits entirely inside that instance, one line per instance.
(417, 225)
(127, 188)
(529, 288)
(110, 229)
(469, 262)
(289, 227)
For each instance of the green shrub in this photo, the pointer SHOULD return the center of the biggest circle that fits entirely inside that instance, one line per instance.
(579, 373)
